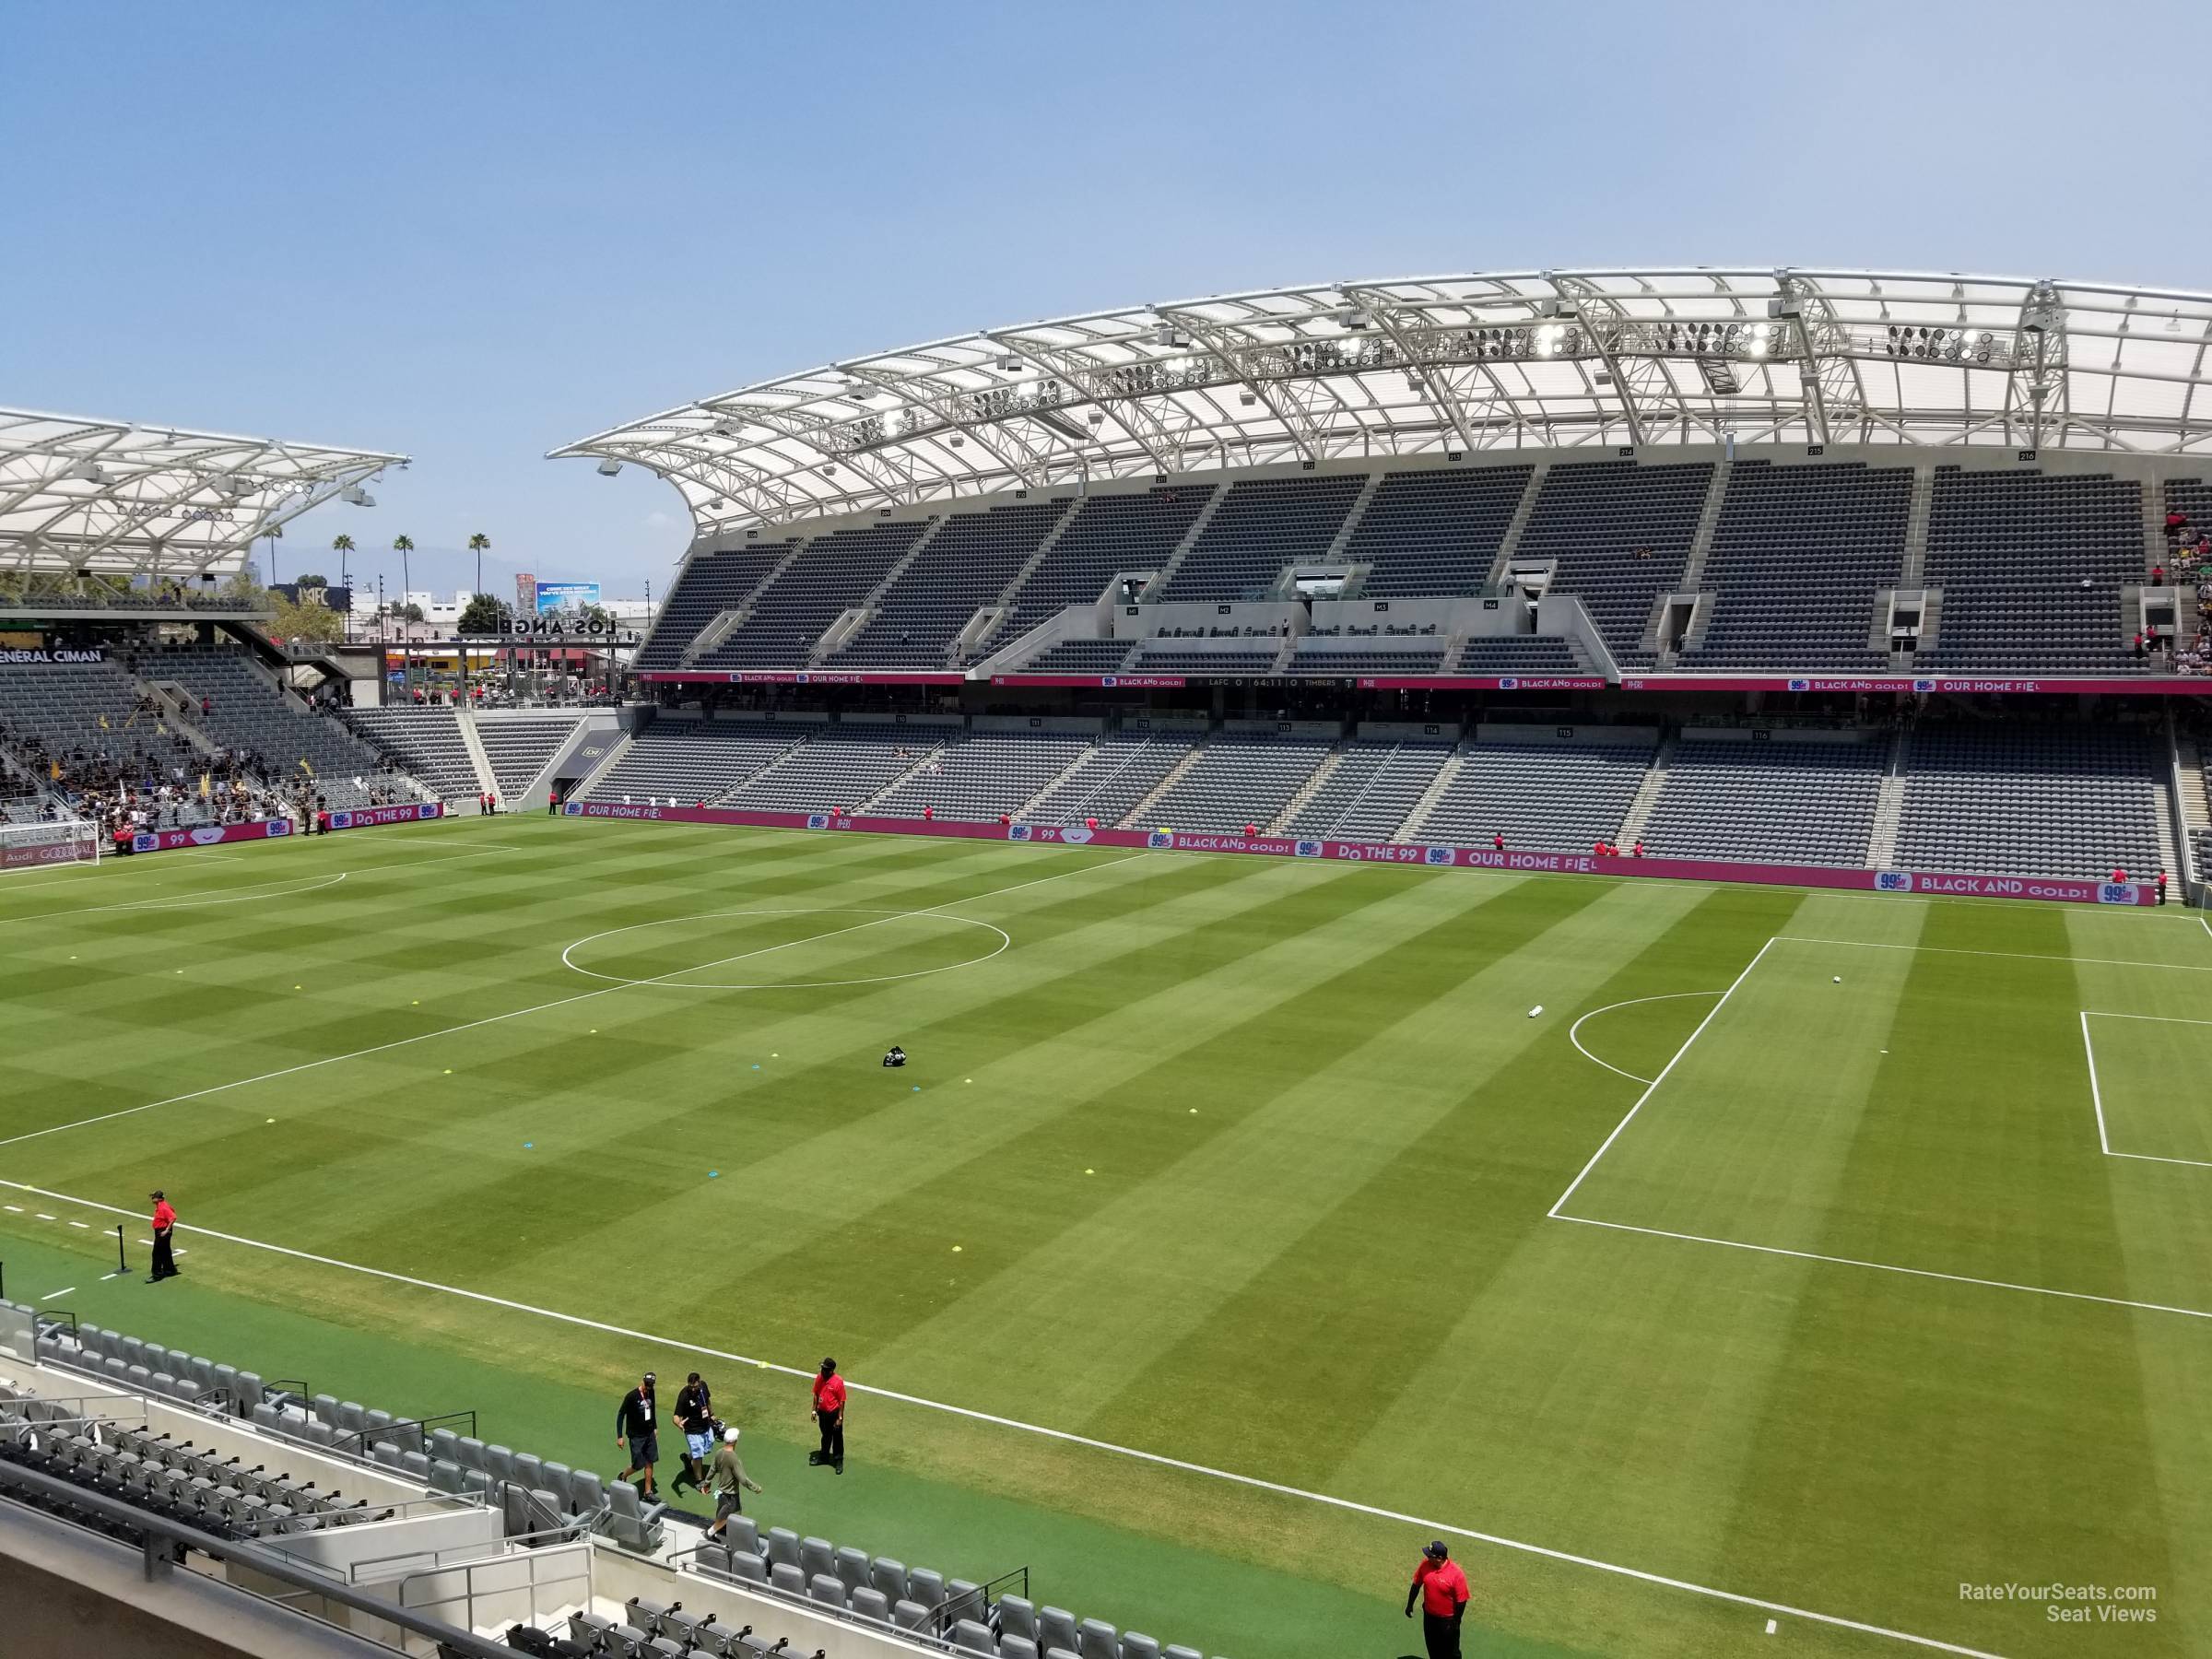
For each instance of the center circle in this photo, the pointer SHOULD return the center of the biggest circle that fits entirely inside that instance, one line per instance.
(886, 919)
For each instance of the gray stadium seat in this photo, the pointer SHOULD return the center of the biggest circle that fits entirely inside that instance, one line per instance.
(888, 1576)
(871, 1603)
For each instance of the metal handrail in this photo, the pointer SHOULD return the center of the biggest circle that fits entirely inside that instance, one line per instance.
(158, 1531)
(369, 1436)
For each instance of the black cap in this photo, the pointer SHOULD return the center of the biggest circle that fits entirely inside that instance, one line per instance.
(829, 1366)
(1436, 1551)
(159, 1193)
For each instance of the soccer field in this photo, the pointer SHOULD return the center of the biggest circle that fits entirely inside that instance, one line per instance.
(1234, 1228)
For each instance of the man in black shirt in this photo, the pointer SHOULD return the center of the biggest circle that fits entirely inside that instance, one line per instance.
(695, 1416)
(637, 1422)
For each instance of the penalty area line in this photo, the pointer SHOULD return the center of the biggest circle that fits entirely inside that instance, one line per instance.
(1066, 1437)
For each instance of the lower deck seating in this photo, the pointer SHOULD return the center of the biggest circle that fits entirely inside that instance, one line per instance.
(1237, 781)
(840, 767)
(427, 742)
(1117, 774)
(990, 775)
(1373, 790)
(2022, 800)
(1542, 796)
(1764, 802)
(691, 760)
(520, 748)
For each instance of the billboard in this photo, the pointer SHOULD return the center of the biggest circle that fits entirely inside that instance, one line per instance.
(557, 597)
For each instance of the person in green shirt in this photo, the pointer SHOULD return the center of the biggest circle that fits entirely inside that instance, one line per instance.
(730, 1481)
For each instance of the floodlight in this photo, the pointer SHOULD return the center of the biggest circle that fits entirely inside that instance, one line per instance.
(957, 440)
(609, 467)
(353, 494)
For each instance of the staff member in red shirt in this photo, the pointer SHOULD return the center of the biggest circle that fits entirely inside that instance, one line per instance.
(1442, 1589)
(165, 1227)
(830, 1417)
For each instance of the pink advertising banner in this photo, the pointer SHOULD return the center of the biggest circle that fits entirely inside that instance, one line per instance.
(2148, 686)
(1503, 682)
(205, 835)
(1123, 681)
(2063, 889)
(368, 818)
(797, 676)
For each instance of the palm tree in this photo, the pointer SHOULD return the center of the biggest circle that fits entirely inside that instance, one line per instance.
(342, 546)
(476, 545)
(403, 546)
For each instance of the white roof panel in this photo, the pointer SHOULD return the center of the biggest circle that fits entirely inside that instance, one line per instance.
(111, 496)
(1485, 360)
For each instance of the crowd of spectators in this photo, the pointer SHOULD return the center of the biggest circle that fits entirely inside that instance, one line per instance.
(2188, 564)
(149, 783)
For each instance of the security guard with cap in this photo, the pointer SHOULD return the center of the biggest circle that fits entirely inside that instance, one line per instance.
(1442, 1589)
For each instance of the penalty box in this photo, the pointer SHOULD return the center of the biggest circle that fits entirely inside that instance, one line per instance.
(1824, 1109)
(2147, 1074)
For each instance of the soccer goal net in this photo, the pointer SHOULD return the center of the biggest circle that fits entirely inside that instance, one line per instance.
(32, 846)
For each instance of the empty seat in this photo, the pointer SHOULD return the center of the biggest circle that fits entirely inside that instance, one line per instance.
(827, 1587)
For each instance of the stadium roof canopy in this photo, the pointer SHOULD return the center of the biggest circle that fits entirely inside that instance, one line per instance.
(1424, 365)
(107, 496)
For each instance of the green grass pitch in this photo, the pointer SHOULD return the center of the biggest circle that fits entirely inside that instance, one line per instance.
(1897, 1277)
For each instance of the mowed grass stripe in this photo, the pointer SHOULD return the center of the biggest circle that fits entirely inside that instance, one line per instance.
(1587, 1390)
(1381, 1164)
(664, 1091)
(1962, 1152)
(1025, 1183)
(1183, 1208)
(332, 1022)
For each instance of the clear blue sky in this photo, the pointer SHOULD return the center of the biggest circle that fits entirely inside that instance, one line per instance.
(470, 232)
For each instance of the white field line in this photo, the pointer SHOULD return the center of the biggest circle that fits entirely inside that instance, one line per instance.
(2017, 955)
(1577, 1026)
(2104, 1140)
(252, 890)
(1653, 1087)
(1136, 1454)
(63, 1291)
(1926, 1273)
(2097, 1094)
(238, 895)
(14, 884)
(558, 1002)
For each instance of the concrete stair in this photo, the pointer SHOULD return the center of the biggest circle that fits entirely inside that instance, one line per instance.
(1190, 537)
(1134, 817)
(1647, 796)
(1510, 545)
(1410, 830)
(1889, 807)
(488, 781)
(1004, 603)
(1309, 788)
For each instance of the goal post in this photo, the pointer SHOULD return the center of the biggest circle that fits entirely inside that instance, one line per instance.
(38, 846)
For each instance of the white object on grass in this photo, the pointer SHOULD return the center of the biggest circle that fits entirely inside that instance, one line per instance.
(1536, 1010)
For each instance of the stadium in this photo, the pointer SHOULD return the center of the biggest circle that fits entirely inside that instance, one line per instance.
(1551, 911)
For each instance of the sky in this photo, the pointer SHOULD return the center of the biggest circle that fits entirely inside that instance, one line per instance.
(470, 233)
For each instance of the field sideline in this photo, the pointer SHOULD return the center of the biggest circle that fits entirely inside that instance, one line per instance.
(1808, 1254)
